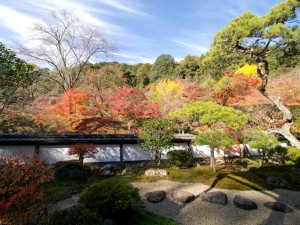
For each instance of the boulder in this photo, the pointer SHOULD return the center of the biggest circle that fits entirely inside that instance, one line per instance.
(128, 171)
(69, 170)
(156, 196)
(108, 222)
(182, 196)
(217, 197)
(107, 170)
(297, 206)
(278, 206)
(156, 172)
(244, 203)
(278, 181)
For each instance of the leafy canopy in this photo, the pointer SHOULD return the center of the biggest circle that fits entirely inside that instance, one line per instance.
(273, 37)
(209, 113)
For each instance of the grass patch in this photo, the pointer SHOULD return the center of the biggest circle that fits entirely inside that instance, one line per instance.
(228, 178)
(142, 216)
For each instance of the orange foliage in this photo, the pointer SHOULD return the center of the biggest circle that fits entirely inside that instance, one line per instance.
(22, 179)
(74, 105)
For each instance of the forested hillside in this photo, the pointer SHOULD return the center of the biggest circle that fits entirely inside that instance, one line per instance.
(251, 59)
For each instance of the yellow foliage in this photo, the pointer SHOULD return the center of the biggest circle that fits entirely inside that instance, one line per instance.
(248, 70)
(165, 88)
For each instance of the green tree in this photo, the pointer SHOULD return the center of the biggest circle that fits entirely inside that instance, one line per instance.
(15, 76)
(261, 141)
(212, 115)
(163, 67)
(209, 113)
(259, 40)
(188, 68)
(157, 135)
(142, 75)
(215, 139)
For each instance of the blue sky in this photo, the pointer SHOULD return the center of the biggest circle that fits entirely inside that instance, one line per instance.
(143, 29)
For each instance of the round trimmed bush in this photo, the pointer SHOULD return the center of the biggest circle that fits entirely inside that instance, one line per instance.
(110, 197)
(70, 170)
(294, 155)
(180, 158)
(76, 215)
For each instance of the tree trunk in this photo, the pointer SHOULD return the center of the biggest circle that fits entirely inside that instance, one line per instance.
(81, 157)
(284, 130)
(212, 160)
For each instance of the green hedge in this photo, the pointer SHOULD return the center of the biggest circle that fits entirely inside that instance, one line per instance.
(78, 215)
(180, 158)
(110, 197)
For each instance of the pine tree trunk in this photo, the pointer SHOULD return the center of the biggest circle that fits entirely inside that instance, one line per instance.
(284, 130)
(213, 160)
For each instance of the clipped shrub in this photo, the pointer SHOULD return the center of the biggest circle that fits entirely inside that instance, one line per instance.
(180, 158)
(78, 215)
(110, 197)
(70, 170)
(278, 154)
(294, 155)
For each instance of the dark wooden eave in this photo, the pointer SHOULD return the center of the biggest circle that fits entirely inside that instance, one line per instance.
(39, 139)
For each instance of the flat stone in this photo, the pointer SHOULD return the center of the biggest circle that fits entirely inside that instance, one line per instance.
(217, 197)
(108, 222)
(156, 172)
(278, 206)
(278, 181)
(156, 196)
(182, 196)
(244, 203)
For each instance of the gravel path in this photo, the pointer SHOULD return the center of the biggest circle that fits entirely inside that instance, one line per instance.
(199, 212)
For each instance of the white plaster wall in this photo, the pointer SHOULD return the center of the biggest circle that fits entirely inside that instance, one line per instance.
(54, 153)
(134, 152)
(106, 153)
(16, 149)
(200, 151)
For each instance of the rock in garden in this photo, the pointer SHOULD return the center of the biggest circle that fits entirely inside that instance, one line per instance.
(156, 196)
(278, 181)
(182, 196)
(217, 197)
(128, 171)
(244, 203)
(108, 222)
(107, 170)
(297, 206)
(278, 206)
(156, 172)
(69, 169)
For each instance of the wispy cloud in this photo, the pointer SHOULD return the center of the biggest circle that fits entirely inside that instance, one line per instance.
(120, 5)
(136, 57)
(20, 22)
(193, 46)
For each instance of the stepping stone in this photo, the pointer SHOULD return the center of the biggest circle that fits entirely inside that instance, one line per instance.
(182, 196)
(217, 197)
(156, 196)
(244, 203)
(156, 173)
(278, 181)
(278, 206)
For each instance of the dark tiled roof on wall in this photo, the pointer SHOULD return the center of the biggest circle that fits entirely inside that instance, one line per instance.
(66, 138)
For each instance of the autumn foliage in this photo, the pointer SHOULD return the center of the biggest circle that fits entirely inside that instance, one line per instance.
(74, 105)
(130, 105)
(22, 179)
(83, 150)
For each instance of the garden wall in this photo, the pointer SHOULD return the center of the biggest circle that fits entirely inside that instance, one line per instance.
(106, 153)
